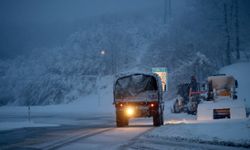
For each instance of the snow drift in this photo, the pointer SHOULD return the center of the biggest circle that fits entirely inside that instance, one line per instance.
(241, 72)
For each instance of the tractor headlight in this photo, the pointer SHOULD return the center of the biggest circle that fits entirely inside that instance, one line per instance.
(130, 111)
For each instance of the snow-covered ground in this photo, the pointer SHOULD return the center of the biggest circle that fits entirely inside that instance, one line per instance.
(234, 131)
(24, 124)
(184, 127)
(98, 103)
(241, 71)
(178, 127)
(226, 132)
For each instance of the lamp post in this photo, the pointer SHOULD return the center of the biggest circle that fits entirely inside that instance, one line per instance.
(102, 53)
(113, 62)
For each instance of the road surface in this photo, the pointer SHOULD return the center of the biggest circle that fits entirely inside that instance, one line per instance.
(94, 133)
(97, 132)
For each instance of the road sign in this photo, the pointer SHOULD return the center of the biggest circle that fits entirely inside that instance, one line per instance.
(163, 73)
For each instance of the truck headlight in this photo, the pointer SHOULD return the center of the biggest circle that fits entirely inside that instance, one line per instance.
(130, 111)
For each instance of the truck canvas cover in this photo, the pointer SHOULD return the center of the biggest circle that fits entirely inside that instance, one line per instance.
(136, 87)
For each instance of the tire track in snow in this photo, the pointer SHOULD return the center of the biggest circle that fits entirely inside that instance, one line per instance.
(158, 144)
(35, 144)
(73, 139)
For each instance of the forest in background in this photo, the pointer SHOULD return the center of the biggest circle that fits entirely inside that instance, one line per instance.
(197, 40)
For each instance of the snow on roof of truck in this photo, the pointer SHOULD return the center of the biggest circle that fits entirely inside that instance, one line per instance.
(127, 74)
(123, 75)
(155, 76)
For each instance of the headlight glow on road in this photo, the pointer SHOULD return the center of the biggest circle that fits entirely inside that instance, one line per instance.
(180, 121)
(130, 111)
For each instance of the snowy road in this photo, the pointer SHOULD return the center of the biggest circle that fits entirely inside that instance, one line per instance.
(98, 134)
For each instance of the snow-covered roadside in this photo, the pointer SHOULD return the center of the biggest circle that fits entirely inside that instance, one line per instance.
(24, 124)
(99, 103)
(226, 132)
(67, 114)
(184, 127)
(12, 117)
(241, 72)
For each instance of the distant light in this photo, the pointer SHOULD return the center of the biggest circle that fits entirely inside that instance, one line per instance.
(103, 52)
(152, 105)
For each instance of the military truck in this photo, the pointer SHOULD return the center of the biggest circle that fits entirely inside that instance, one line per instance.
(138, 95)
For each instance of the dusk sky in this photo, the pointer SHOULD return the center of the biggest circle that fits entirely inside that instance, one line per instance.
(30, 24)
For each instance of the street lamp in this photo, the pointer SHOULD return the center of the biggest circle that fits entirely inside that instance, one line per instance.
(103, 52)
(113, 61)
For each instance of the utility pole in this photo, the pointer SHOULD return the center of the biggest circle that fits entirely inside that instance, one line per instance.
(167, 11)
(102, 54)
(237, 29)
(113, 59)
(228, 38)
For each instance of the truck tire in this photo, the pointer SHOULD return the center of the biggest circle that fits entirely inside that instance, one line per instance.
(157, 119)
(121, 120)
(162, 118)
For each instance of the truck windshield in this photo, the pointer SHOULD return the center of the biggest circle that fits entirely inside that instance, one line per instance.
(135, 85)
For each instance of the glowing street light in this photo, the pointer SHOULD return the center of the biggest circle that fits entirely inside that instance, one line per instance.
(103, 52)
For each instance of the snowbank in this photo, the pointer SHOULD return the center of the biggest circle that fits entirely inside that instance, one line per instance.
(241, 72)
(225, 132)
(184, 127)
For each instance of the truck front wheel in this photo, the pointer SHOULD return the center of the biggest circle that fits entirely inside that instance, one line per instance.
(157, 119)
(162, 118)
(121, 119)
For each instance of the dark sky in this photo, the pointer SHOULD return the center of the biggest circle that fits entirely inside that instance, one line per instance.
(29, 24)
